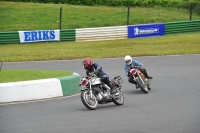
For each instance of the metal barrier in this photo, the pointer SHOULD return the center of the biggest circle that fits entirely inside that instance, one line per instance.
(13, 37)
(101, 33)
(182, 27)
(105, 33)
(9, 37)
(67, 35)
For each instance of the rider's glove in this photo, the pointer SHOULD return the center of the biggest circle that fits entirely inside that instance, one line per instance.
(128, 74)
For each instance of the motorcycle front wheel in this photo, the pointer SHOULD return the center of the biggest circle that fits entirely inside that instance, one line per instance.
(142, 86)
(118, 98)
(90, 103)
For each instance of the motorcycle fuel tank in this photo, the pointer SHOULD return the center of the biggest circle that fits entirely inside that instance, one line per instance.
(96, 81)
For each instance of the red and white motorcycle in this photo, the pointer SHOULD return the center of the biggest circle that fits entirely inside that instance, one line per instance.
(95, 92)
(142, 82)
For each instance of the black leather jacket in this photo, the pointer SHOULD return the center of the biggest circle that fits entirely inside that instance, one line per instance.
(94, 67)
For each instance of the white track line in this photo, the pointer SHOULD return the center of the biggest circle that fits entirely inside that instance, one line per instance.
(33, 101)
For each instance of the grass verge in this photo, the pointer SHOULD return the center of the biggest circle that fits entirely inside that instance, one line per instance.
(14, 75)
(165, 45)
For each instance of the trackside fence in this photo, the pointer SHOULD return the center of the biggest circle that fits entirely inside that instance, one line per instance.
(105, 33)
(13, 37)
(182, 27)
(102, 33)
(67, 35)
(9, 37)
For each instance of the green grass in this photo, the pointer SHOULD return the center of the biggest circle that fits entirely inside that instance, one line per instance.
(154, 46)
(15, 75)
(166, 45)
(17, 16)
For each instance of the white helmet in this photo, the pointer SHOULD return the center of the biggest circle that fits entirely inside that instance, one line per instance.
(128, 59)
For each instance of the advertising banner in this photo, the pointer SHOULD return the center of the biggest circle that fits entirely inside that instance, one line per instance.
(39, 35)
(146, 30)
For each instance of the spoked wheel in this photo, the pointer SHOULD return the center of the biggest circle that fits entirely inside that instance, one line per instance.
(90, 103)
(118, 98)
(142, 86)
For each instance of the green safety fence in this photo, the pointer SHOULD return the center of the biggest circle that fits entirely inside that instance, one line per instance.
(9, 37)
(70, 34)
(182, 27)
(13, 37)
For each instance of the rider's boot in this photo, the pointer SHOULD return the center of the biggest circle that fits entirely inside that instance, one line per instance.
(112, 88)
(149, 77)
(149, 88)
(146, 75)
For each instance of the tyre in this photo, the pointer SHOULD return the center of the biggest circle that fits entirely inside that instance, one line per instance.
(87, 101)
(142, 86)
(118, 98)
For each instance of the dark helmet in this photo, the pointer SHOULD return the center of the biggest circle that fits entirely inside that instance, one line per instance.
(87, 63)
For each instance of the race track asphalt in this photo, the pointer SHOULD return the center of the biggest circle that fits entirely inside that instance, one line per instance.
(172, 106)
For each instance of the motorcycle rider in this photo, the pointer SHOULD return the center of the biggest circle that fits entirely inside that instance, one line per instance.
(129, 64)
(94, 67)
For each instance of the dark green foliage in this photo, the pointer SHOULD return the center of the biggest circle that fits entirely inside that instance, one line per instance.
(196, 7)
(185, 4)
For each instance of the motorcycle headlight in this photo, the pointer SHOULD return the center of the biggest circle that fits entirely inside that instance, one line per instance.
(132, 71)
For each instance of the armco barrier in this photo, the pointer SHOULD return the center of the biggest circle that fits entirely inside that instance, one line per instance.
(105, 33)
(67, 35)
(9, 37)
(39, 89)
(13, 37)
(101, 33)
(182, 27)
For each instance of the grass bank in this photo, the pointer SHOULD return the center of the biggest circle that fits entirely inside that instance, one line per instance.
(19, 16)
(154, 46)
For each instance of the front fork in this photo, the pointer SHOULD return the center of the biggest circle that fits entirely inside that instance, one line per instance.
(90, 90)
(135, 78)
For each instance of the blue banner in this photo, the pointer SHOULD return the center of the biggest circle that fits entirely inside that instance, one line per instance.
(39, 35)
(146, 30)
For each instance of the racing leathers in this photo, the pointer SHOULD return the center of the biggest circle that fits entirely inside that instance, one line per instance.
(134, 64)
(101, 74)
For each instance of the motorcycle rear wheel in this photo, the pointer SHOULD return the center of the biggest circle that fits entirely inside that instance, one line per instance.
(118, 99)
(87, 101)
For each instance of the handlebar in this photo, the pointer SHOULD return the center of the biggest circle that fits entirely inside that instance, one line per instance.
(137, 67)
(93, 74)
